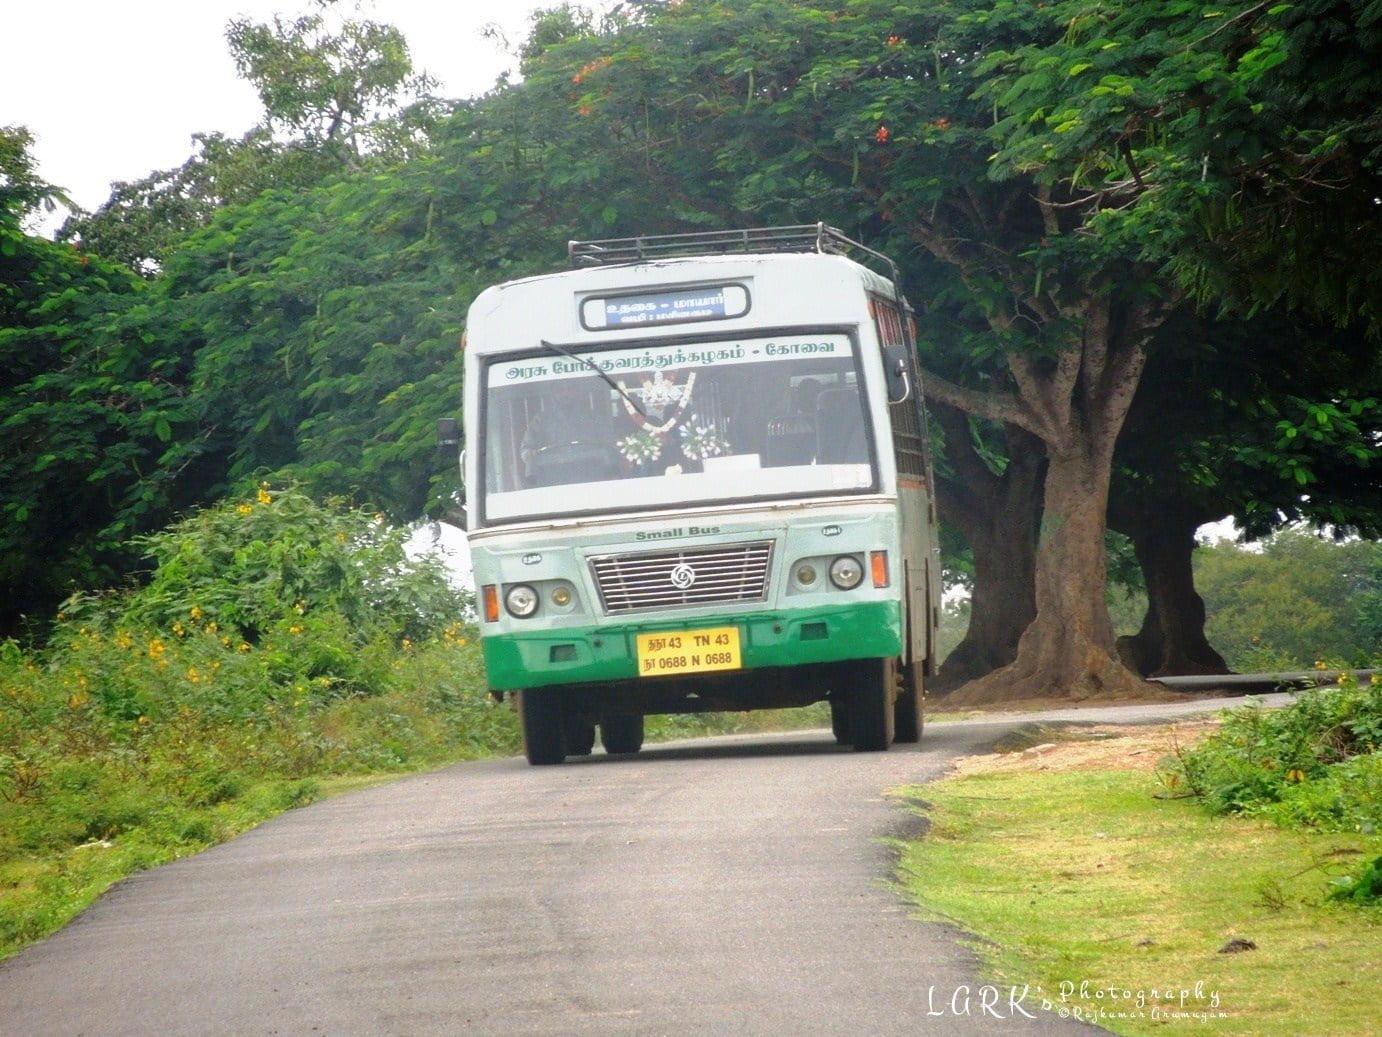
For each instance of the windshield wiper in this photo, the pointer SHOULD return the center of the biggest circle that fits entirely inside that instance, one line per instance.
(596, 368)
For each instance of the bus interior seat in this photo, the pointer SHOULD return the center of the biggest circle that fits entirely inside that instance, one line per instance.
(791, 441)
(840, 428)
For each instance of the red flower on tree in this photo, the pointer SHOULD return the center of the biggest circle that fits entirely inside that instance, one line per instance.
(883, 135)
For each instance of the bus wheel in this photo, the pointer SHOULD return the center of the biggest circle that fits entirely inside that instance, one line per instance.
(580, 735)
(622, 733)
(540, 713)
(907, 716)
(871, 699)
(839, 720)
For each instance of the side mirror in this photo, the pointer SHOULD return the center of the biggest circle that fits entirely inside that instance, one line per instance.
(448, 434)
(895, 369)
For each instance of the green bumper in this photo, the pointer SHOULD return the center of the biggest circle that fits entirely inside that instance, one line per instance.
(574, 655)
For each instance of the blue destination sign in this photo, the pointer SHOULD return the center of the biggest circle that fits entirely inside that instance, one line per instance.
(708, 302)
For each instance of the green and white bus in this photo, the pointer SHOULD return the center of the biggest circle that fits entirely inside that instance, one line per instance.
(698, 479)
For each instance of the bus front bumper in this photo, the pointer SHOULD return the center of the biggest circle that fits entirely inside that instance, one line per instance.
(779, 638)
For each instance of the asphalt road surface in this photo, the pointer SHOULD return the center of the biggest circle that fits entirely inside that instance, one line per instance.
(734, 886)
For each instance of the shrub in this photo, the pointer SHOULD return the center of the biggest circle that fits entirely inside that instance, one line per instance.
(161, 719)
(1315, 764)
(246, 568)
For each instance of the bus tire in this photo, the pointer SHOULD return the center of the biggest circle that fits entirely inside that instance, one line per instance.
(540, 715)
(622, 733)
(871, 698)
(908, 715)
(580, 735)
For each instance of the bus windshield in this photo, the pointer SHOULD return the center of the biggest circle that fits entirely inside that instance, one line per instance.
(668, 424)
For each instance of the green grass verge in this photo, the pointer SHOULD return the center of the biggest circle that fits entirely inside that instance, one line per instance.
(1104, 900)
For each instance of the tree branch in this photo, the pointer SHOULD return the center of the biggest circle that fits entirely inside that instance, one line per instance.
(1003, 407)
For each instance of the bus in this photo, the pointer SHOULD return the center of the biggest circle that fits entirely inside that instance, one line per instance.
(697, 478)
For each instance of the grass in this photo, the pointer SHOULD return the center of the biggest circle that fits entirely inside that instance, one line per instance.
(1075, 881)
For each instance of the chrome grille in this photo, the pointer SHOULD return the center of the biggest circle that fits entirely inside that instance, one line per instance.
(657, 579)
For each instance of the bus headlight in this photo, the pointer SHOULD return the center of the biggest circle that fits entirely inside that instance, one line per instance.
(521, 601)
(846, 572)
(561, 597)
(805, 574)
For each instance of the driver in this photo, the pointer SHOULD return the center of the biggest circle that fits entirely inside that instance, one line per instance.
(571, 428)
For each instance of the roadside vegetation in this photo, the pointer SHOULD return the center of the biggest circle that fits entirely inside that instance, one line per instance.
(1222, 873)
(280, 647)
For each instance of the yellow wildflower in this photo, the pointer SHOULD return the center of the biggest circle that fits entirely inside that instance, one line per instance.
(244, 509)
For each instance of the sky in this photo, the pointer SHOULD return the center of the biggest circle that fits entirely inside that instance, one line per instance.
(114, 89)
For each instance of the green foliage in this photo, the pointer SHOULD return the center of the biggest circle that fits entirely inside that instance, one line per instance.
(280, 560)
(1300, 598)
(1363, 888)
(1259, 757)
(328, 81)
(89, 401)
(1240, 139)
(1316, 764)
(279, 643)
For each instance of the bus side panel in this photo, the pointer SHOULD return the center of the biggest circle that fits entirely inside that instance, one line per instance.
(916, 550)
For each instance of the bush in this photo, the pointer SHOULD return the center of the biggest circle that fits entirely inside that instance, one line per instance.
(1315, 764)
(165, 718)
(245, 569)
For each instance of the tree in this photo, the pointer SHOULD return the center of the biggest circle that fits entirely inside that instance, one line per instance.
(1252, 419)
(339, 94)
(1299, 599)
(338, 88)
(878, 103)
(1237, 142)
(90, 402)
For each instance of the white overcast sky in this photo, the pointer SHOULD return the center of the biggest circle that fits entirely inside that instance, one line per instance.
(113, 89)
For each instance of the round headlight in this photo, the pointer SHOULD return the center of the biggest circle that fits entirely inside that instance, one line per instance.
(846, 572)
(520, 600)
(561, 597)
(806, 574)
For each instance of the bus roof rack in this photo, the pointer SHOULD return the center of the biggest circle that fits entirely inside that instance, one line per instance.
(807, 237)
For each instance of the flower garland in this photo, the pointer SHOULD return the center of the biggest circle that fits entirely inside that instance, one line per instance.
(641, 447)
(658, 392)
(701, 441)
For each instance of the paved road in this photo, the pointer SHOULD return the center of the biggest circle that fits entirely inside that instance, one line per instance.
(735, 886)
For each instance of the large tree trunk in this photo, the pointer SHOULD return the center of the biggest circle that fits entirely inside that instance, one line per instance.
(997, 515)
(1171, 641)
(1076, 403)
(1068, 650)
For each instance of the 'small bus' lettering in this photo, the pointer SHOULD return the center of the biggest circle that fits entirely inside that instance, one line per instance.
(680, 531)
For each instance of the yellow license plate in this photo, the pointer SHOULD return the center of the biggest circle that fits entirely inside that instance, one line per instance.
(688, 651)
